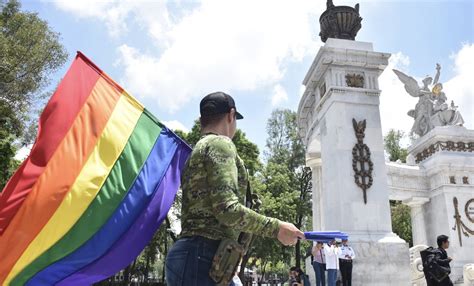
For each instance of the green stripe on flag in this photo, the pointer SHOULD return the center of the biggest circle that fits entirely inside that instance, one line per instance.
(120, 179)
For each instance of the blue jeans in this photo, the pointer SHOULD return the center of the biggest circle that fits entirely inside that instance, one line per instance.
(189, 260)
(332, 277)
(320, 271)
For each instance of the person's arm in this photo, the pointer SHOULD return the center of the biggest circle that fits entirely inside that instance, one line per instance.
(438, 68)
(441, 261)
(315, 250)
(353, 255)
(342, 254)
(222, 180)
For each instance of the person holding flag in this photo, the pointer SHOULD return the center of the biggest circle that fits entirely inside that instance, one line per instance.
(214, 215)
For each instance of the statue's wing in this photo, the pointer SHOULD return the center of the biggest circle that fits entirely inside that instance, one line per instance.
(411, 86)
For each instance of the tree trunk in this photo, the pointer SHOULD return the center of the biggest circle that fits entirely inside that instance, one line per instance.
(243, 264)
(298, 254)
(163, 277)
(147, 268)
(263, 273)
(127, 271)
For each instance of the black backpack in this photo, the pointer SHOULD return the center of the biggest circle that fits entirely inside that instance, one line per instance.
(431, 268)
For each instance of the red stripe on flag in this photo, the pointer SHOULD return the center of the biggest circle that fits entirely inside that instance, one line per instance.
(59, 115)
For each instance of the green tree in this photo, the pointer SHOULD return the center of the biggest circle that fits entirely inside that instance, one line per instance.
(393, 147)
(287, 180)
(401, 221)
(29, 52)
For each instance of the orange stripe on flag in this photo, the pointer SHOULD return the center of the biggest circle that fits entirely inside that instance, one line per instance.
(55, 182)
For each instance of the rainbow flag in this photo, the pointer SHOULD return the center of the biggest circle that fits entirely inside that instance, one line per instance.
(100, 179)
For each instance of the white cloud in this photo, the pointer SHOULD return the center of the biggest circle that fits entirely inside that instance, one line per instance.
(23, 152)
(279, 95)
(301, 90)
(223, 45)
(460, 88)
(175, 125)
(395, 101)
(212, 45)
(152, 16)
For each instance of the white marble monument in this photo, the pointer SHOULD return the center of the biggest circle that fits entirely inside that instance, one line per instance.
(342, 85)
(438, 185)
(339, 122)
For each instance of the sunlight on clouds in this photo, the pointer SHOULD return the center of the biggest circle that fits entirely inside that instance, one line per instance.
(150, 15)
(460, 88)
(226, 45)
(279, 95)
(394, 100)
(176, 125)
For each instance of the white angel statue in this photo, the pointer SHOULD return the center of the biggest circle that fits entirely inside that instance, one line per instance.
(431, 109)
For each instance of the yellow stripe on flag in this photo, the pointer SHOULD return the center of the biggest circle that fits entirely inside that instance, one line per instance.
(110, 145)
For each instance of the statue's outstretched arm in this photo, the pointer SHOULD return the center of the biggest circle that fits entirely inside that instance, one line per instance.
(438, 69)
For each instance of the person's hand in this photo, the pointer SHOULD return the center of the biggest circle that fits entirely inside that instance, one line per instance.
(289, 234)
(450, 259)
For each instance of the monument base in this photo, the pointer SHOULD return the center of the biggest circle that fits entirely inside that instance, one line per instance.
(385, 261)
(381, 263)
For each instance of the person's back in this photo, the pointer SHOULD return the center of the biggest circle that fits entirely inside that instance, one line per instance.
(436, 264)
(209, 199)
(215, 183)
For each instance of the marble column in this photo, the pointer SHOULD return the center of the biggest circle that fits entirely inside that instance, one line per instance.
(315, 165)
(417, 219)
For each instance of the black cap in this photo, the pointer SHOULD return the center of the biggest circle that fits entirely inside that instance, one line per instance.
(218, 103)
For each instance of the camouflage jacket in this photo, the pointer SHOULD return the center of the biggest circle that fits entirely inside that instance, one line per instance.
(214, 184)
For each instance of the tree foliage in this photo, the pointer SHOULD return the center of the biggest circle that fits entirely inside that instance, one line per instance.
(392, 146)
(29, 52)
(401, 221)
(285, 184)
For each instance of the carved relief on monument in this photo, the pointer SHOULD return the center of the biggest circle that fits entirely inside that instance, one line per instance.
(445, 146)
(361, 162)
(459, 224)
(355, 80)
(416, 265)
(432, 108)
(469, 210)
(322, 90)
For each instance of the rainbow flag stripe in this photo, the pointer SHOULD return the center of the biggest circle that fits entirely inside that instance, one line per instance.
(99, 181)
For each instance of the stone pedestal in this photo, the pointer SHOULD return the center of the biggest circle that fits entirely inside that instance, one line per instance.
(342, 85)
(445, 157)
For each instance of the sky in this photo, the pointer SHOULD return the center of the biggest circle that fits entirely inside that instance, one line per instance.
(170, 54)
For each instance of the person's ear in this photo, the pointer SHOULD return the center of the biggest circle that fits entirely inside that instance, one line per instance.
(231, 115)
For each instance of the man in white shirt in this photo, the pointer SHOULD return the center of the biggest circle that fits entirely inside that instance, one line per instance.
(332, 252)
(346, 256)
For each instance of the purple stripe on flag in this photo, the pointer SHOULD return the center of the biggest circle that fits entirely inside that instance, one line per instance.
(129, 246)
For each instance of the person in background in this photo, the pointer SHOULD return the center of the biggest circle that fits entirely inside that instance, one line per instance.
(442, 259)
(319, 264)
(332, 252)
(236, 279)
(294, 279)
(345, 261)
(298, 277)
